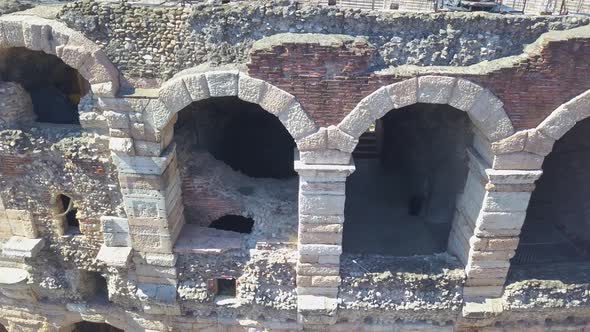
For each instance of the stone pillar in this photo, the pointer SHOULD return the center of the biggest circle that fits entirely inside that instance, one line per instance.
(150, 184)
(321, 218)
(485, 233)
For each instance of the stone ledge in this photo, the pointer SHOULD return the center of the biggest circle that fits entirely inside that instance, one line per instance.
(486, 309)
(22, 247)
(114, 256)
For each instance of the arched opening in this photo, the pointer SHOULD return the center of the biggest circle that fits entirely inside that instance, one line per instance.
(557, 224)
(2, 328)
(410, 167)
(94, 327)
(236, 159)
(66, 213)
(233, 223)
(55, 88)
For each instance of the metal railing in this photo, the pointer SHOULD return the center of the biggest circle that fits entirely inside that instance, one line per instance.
(546, 7)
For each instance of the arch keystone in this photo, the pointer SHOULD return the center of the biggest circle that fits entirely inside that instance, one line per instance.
(197, 87)
(222, 83)
(435, 89)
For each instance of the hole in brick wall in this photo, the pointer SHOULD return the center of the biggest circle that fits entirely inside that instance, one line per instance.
(394, 6)
(55, 88)
(556, 228)
(2, 328)
(331, 2)
(94, 327)
(409, 169)
(226, 287)
(242, 135)
(233, 223)
(67, 211)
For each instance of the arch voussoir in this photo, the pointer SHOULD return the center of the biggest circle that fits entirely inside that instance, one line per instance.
(197, 86)
(185, 89)
(465, 95)
(485, 110)
(39, 34)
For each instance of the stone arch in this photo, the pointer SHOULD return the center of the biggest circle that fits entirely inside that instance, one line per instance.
(71, 47)
(534, 146)
(540, 140)
(189, 87)
(485, 110)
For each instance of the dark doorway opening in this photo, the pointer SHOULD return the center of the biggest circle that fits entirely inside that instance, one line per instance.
(101, 290)
(233, 223)
(55, 88)
(557, 224)
(94, 327)
(241, 134)
(68, 211)
(226, 287)
(409, 169)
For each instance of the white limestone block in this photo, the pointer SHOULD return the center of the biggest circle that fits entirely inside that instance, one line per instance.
(321, 204)
(277, 101)
(222, 83)
(506, 201)
(175, 95)
(435, 89)
(404, 93)
(114, 256)
(197, 86)
(251, 89)
(464, 95)
(558, 123)
(339, 140)
(320, 249)
(297, 122)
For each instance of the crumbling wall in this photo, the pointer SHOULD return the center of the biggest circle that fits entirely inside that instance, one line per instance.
(152, 42)
(38, 163)
(401, 288)
(16, 106)
(548, 286)
(212, 189)
(265, 283)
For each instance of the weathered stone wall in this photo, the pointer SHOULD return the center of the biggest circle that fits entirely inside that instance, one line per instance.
(265, 284)
(16, 106)
(328, 76)
(158, 42)
(378, 289)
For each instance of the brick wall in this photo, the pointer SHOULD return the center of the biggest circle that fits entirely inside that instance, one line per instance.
(330, 81)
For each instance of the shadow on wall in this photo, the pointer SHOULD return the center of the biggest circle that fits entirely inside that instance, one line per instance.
(410, 168)
(241, 134)
(54, 87)
(236, 166)
(94, 327)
